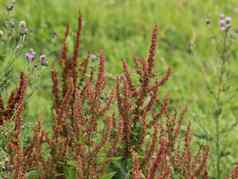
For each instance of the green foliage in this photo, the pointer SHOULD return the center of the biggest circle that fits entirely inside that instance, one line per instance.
(70, 169)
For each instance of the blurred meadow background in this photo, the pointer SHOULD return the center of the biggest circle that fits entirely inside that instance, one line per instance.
(191, 42)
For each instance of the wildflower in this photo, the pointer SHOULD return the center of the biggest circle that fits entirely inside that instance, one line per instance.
(23, 28)
(222, 25)
(43, 61)
(30, 56)
(225, 22)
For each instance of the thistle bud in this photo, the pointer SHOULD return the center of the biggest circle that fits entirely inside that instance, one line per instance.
(236, 30)
(22, 24)
(10, 6)
(225, 22)
(228, 20)
(23, 28)
(43, 61)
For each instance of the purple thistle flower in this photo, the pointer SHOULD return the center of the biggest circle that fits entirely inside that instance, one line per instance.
(30, 56)
(225, 22)
(222, 25)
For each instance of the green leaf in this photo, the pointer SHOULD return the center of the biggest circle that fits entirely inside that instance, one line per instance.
(34, 174)
(71, 163)
(70, 169)
(108, 175)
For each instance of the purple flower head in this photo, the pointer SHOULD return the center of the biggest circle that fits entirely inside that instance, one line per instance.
(225, 22)
(30, 56)
(43, 59)
(222, 25)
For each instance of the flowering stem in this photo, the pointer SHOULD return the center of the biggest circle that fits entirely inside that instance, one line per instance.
(219, 105)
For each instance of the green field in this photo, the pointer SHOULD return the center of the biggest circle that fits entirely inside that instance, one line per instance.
(203, 59)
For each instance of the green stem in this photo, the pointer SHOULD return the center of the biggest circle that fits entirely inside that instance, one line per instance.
(219, 105)
(218, 158)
